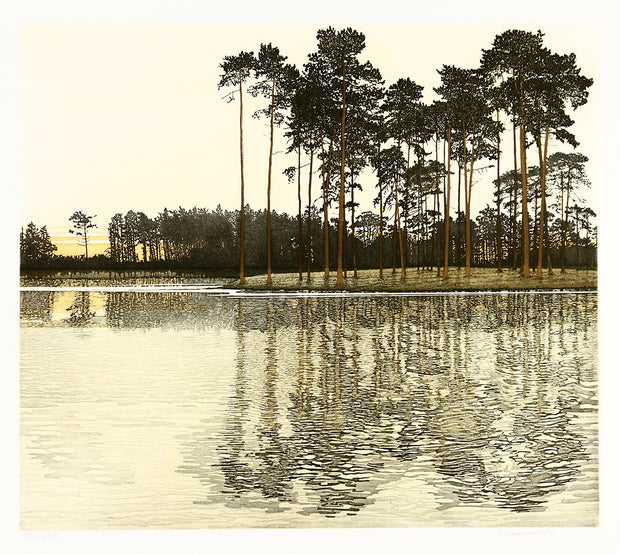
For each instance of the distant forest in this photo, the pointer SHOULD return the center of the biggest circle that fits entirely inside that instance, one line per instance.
(209, 240)
(345, 125)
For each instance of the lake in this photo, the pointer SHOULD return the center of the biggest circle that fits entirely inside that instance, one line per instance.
(175, 405)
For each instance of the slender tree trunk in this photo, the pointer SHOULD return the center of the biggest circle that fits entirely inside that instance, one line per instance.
(325, 202)
(467, 205)
(400, 238)
(242, 211)
(564, 225)
(353, 226)
(407, 192)
(345, 246)
(437, 214)
(459, 233)
(379, 175)
(469, 191)
(543, 201)
(394, 245)
(308, 232)
(420, 228)
(536, 215)
(403, 268)
(339, 275)
(524, 215)
(499, 202)
(576, 238)
(547, 242)
(427, 236)
(273, 88)
(587, 245)
(514, 197)
(300, 239)
(446, 244)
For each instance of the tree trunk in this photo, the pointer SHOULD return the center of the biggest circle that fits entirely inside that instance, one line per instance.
(397, 217)
(446, 244)
(407, 198)
(339, 275)
(308, 232)
(242, 212)
(353, 226)
(394, 245)
(437, 212)
(400, 237)
(273, 88)
(524, 216)
(547, 242)
(380, 211)
(459, 235)
(565, 223)
(543, 202)
(499, 202)
(300, 239)
(86, 241)
(325, 202)
(576, 238)
(513, 196)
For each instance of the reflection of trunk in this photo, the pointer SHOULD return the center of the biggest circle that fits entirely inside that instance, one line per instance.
(270, 404)
(301, 358)
(273, 88)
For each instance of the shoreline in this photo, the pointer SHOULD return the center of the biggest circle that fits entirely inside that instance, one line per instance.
(416, 281)
(481, 280)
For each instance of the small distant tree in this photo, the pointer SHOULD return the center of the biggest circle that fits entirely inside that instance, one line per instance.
(35, 245)
(81, 224)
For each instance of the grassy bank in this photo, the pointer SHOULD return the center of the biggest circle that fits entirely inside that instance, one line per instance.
(481, 279)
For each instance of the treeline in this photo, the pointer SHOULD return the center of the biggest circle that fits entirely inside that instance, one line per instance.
(341, 118)
(208, 240)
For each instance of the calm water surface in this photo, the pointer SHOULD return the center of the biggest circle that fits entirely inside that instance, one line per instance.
(182, 407)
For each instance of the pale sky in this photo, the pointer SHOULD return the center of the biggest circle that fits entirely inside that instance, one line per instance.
(121, 117)
(50, 206)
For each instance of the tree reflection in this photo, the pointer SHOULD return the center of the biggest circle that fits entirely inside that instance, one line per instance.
(36, 306)
(79, 312)
(473, 393)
